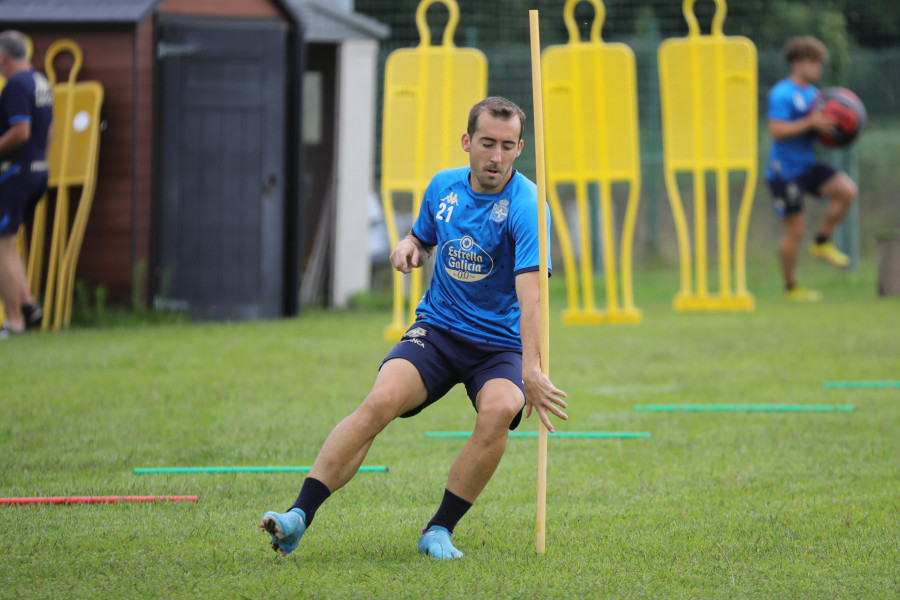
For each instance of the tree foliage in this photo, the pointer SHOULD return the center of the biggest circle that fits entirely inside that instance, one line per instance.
(839, 23)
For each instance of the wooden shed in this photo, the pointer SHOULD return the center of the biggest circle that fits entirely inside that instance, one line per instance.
(198, 197)
(340, 84)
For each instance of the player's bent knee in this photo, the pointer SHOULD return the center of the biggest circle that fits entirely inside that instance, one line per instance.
(386, 403)
(379, 409)
(846, 192)
(841, 188)
(500, 411)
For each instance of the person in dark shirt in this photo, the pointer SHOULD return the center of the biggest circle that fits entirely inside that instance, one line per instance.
(26, 126)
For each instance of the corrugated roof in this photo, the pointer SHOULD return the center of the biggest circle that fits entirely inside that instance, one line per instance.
(76, 11)
(89, 11)
(325, 23)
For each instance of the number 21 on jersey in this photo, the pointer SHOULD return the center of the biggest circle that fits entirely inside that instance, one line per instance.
(448, 203)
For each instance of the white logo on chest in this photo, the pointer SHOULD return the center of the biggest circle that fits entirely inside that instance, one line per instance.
(500, 211)
(464, 260)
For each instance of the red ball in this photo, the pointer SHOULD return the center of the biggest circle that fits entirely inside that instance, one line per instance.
(846, 110)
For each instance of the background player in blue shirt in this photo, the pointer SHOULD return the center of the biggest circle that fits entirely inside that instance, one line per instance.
(26, 121)
(478, 324)
(793, 170)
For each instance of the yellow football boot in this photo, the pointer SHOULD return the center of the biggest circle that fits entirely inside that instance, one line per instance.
(801, 294)
(828, 252)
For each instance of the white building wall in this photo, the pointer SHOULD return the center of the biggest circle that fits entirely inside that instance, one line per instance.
(356, 89)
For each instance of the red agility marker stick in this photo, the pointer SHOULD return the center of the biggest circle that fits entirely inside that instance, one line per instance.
(94, 499)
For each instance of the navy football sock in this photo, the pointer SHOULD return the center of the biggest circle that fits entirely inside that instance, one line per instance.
(312, 494)
(449, 513)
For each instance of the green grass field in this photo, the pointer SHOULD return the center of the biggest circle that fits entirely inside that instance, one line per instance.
(714, 505)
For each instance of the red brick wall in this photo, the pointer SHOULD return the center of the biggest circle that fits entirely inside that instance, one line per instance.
(221, 8)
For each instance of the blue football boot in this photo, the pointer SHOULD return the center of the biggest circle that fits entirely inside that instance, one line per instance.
(435, 541)
(286, 529)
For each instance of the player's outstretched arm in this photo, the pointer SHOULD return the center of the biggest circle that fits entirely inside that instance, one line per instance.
(540, 393)
(409, 253)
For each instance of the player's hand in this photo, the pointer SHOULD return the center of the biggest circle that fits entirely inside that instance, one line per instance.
(542, 396)
(821, 123)
(408, 255)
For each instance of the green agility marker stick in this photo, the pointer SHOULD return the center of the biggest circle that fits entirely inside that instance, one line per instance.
(559, 434)
(184, 470)
(861, 384)
(745, 407)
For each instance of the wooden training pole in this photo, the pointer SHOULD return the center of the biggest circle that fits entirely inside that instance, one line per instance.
(543, 250)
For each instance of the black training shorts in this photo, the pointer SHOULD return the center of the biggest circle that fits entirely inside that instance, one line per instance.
(444, 359)
(787, 194)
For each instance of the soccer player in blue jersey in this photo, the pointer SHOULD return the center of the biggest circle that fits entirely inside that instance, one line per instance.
(793, 170)
(478, 324)
(26, 120)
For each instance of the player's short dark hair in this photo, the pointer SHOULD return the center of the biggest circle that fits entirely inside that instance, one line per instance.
(498, 107)
(13, 44)
(804, 47)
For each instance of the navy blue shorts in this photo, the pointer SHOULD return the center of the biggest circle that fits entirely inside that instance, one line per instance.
(787, 194)
(20, 191)
(444, 359)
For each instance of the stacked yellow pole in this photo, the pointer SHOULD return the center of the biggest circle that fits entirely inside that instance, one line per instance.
(73, 163)
(426, 89)
(708, 89)
(590, 90)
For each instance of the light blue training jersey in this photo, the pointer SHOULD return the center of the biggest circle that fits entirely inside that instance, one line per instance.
(482, 241)
(788, 159)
